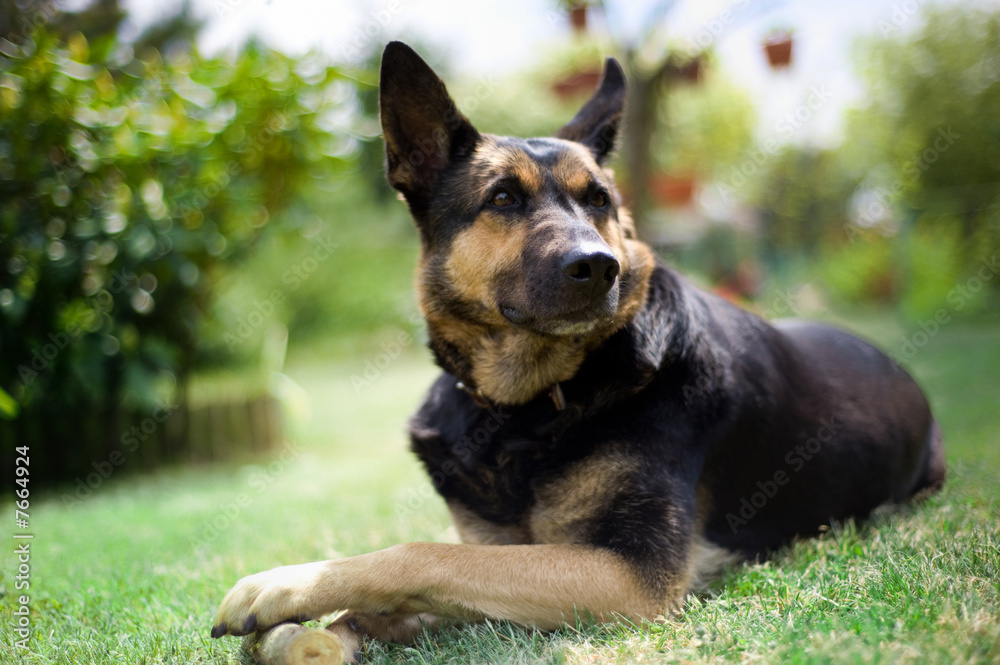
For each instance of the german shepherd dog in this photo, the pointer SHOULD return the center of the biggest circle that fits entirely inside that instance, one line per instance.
(603, 432)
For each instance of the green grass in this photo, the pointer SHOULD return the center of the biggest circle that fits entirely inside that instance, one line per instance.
(134, 573)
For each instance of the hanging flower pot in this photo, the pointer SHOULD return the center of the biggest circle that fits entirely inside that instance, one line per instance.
(577, 85)
(778, 48)
(673, 190)
(578, 18)
(690, 72)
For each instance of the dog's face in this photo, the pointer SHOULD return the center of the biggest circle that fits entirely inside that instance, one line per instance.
(526, 232)
(522, 238)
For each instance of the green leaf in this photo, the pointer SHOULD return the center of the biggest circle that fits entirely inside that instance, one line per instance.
(9, 408)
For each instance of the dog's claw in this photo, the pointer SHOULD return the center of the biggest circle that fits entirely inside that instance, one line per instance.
(260, 601)
(249, 626)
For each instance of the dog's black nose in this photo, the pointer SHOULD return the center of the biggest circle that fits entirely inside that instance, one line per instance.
(590, 268)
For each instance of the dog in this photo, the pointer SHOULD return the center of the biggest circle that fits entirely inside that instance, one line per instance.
(604, 433)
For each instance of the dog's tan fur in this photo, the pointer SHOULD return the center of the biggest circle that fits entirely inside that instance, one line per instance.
(565, 509)
(473, 529)
(509, 364)
(542, 585)
(541, 571)
(498, 572)
(480, 254)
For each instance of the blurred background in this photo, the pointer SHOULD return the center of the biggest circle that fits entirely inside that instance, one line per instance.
(195, 227)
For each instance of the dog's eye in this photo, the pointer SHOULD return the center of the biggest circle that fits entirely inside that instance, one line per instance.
(502, 198)
(597, 198)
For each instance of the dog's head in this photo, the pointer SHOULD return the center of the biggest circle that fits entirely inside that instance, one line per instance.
(528, 258)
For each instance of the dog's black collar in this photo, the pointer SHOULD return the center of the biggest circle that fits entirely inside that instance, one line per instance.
(483, 401)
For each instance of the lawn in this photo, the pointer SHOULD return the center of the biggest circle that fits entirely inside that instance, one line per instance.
(134, 573)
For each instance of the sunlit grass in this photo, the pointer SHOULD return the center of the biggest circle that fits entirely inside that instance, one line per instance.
(134, 573)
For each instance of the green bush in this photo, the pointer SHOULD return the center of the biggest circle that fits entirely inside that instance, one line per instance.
(128, 187)
(921, 271)
(907, 209)
(363, 283)
(860, 271)
(933, 267)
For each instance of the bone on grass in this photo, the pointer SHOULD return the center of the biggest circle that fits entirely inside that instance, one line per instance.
(294, 644)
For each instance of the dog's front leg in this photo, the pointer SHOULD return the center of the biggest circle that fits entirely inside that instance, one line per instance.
(537, 585)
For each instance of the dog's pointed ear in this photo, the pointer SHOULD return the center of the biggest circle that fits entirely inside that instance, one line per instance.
(423, 129)
(596, 125)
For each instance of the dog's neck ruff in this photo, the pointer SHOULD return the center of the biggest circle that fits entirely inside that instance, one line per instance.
(664, 330)
(481, 400)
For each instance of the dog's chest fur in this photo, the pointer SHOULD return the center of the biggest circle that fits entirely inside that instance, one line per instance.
(546, 483)
(494, 460)
(532, 473)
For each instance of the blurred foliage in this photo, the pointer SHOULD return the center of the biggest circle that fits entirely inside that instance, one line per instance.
(524, 103)
(935, 95)
(99, 21)
(19, 19)
(860, 272)
(801, 197)
(349, 273)
(704, 128)
(908, 207)
(129, 184)
(932, 133)
(161, 211)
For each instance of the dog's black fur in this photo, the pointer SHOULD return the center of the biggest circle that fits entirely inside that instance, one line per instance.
(713, 402)
(600, 423)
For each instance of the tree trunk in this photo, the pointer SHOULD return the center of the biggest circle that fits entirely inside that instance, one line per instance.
(640, 130)
(646, 91)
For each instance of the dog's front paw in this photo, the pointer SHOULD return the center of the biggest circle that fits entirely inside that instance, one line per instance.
(258, 602)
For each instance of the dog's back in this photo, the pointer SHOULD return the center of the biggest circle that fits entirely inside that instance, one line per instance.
(825, 426)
